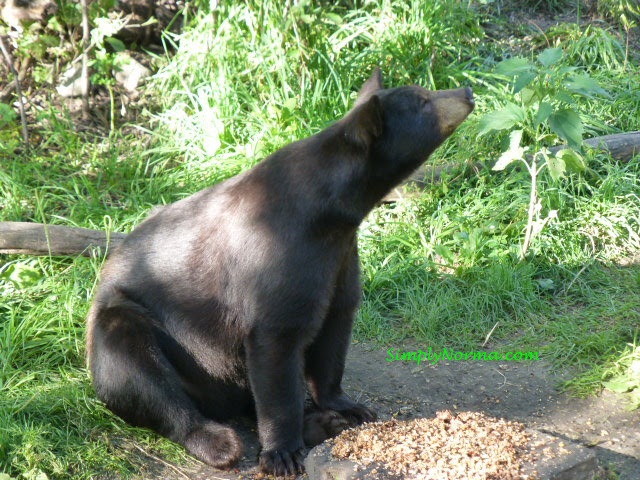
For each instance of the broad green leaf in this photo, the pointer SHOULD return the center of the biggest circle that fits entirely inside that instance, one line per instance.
(544, 110)
(308, 19)
(556, 166)
(501, 119)
(566, 69)
(35, 474)
(620, 384)
(105, 27)
(462, 236)
(572, 160)
(585, 85)
(334, 18)
(523, 80)
(564, 96)
(567, 124)
(116, 44)
(445, 253)
(55, 25)
(545, 283)
(149, 21)
(550, 56)
(514, 152)
(514, 66)
(528, 95)
(21, 275)
(290, 104)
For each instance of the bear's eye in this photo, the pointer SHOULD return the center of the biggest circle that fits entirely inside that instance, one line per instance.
(425, 103)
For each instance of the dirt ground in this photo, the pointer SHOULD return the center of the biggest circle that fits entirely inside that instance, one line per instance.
(522, 391)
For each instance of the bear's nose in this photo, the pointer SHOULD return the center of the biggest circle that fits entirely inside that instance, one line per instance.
(468, 93)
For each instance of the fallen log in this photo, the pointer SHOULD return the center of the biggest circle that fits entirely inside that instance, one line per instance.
(621, 146)
(39, 239)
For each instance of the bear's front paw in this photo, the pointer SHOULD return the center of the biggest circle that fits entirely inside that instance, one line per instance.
(322, 424)
(355, 413)
(358, 414)
(282, 462)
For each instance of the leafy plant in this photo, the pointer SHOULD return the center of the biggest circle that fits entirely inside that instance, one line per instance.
(542, 108)
(9, 136)
(7, 115)
(21, 275)
(103, 58)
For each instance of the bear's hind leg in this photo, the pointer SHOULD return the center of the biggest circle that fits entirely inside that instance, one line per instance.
(133, 377)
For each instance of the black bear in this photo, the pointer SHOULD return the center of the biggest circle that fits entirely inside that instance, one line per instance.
(235, 299)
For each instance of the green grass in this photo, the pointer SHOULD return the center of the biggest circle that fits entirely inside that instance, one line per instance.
(442, 267)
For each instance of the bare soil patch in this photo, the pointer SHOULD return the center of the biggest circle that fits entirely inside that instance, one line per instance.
(516, 391)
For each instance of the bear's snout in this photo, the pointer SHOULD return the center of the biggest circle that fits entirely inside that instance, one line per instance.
(469, 96)
(452, 107)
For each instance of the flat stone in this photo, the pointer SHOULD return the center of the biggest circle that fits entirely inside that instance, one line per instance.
(70, 83)
(129, 72)
(558, 459)
(321, 465)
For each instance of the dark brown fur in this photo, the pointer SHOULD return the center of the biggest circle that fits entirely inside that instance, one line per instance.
(229, 301)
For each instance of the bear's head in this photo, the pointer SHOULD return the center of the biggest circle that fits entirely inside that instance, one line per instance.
(400, 127)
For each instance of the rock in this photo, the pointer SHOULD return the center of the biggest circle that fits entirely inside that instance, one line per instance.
(70, 84)
(321, 465)
(561, 459)
(14, 12)
(128, 72)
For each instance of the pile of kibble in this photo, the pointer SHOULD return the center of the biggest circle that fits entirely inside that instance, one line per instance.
(468, 445)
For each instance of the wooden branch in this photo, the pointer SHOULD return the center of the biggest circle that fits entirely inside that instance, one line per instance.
(39, 239)
(5, 94)
(621, 146)
(16, 77)
(85, 59)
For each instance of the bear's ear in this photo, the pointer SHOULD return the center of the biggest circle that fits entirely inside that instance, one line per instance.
(365, 123)
(370, 87)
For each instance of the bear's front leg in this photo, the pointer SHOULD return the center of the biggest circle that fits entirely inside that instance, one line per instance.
(274, 363)
(325, 357)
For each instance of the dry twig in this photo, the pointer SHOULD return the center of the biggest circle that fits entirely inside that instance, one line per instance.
(158, 459)
(85, 59)
(23, 116)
